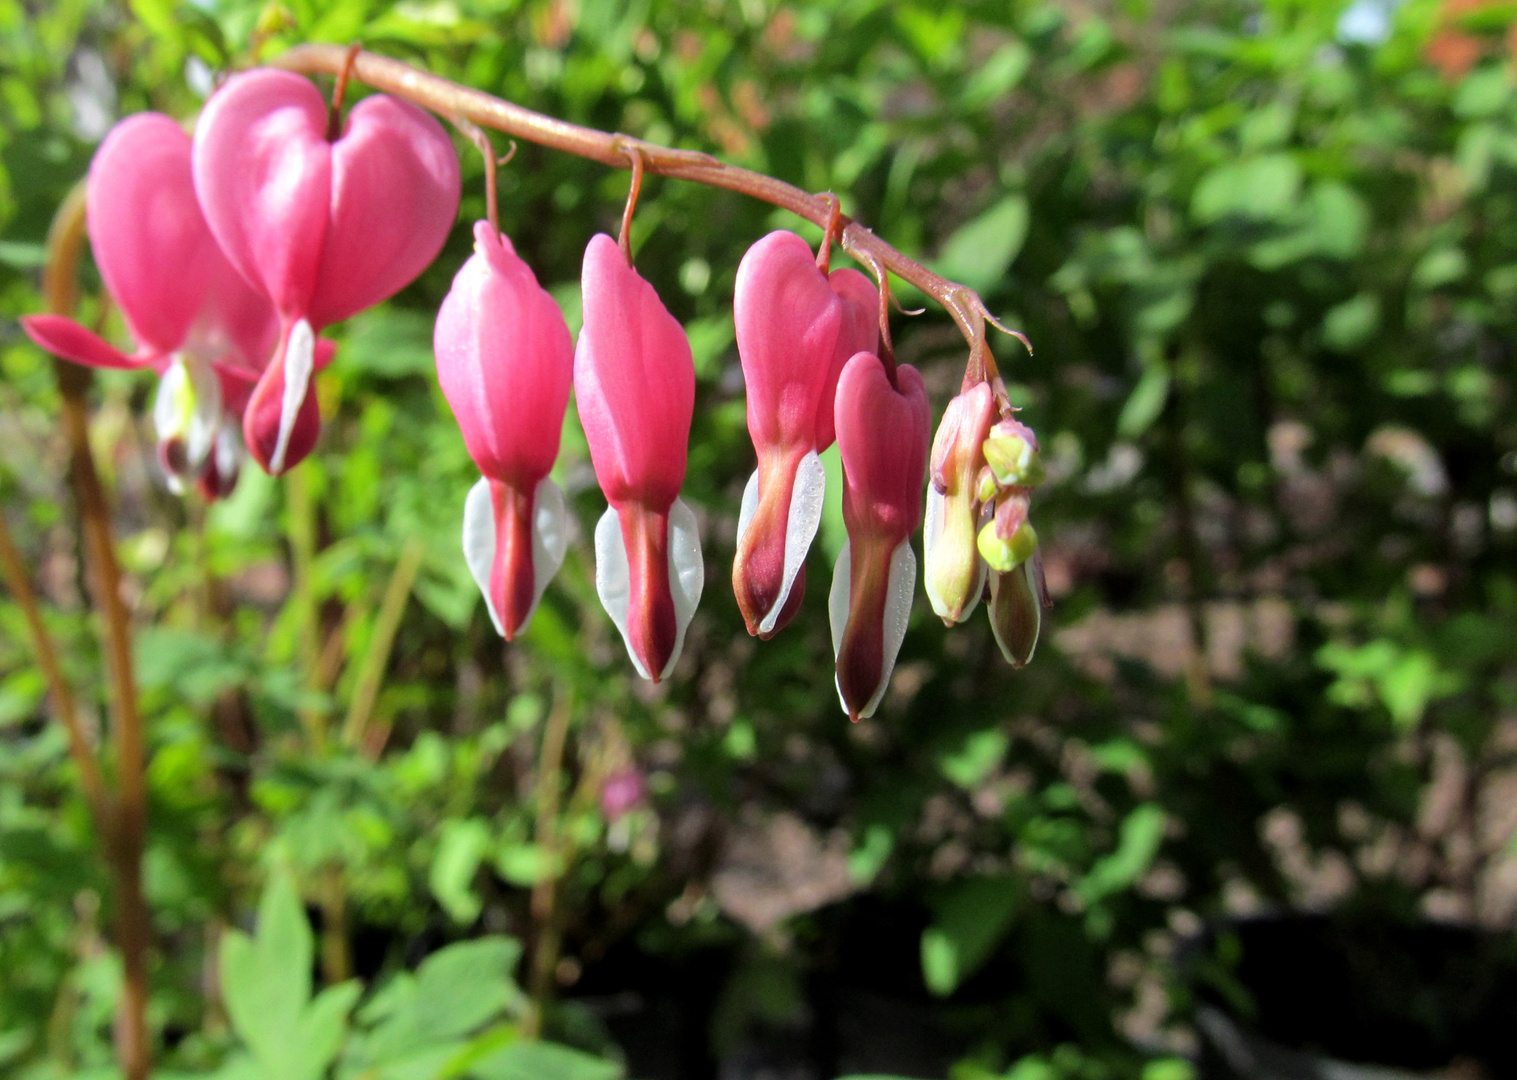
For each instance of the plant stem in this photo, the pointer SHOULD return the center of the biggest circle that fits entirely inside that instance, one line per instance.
(64, 706)
(302, 531)
(449, 99)
(124, 838)
(376, 657)
(550, 767)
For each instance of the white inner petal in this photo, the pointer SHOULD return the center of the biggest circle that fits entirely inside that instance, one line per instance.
(932, 532)
(299, 362)
(839, 595)
(168, 404)
(687, 573)
(902, 581)
(932, 529)
(687, 576)
(550, 539)
(613, 577)
(749, 507)
(800, 527)
(479, 543)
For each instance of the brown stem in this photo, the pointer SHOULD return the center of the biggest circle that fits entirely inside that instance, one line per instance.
(124, 838)
(477, 136)
(376, 657)
(550, 766)
(339, 92)
(624, 238)
(447, 98)
(830, 234)
(64, 706)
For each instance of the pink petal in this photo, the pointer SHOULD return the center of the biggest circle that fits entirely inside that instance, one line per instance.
(150, 242)
(505, 361)
(634, 381)
(883, 436)
(788, 320)
(66, 338)
(394, 199)
(860, 332)
(279, 429)
(263, 172)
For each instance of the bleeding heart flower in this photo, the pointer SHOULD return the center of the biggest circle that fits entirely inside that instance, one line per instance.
(634, 380)
(192, 317)
(326, 229)
(955, 573)
(505, 361)
(796, 327)
(882, 432)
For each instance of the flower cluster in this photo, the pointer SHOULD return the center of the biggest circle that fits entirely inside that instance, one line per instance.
(230, 251)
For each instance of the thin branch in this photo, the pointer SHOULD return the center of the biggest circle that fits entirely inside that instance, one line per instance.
(64, 706)
(376, 657)
(125, 838)
(449, 99)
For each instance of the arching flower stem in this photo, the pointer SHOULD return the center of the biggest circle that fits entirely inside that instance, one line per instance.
(450, 99)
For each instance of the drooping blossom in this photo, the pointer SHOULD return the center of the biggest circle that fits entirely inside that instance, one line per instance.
(634, 381)
(955, 573)
(325, 228)
(192, 317)
(621, 792)
(505, 361)
(882, 433)
(796, 327)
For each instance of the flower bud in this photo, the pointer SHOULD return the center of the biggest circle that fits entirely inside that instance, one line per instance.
(955, 573)
(1007, 539)
(1011, 452)
(1016, 610)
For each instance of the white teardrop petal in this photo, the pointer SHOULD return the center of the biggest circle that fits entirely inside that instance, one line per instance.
(479, 543)
(205, 419)
(901, 583)
(932, 529)
(806, 497)
(613, 577)
(687, 573)
(550, 539)
(839, 595)
(299, 362)
(749, 506)
(173, 384)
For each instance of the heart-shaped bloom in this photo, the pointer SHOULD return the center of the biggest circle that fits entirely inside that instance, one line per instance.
(193, 319)
(325, 229)
(882, 433)
(634, 381)
(955, 573)
(505, 361)
(796, 327)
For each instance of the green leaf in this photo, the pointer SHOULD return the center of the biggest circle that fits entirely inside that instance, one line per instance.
(388, 343)
(1441, 266)
(527, 864)
(267, 980)
(544, 1061)
(1260, 188)
(320, 1033)
(1145, 404)
(997, 76)
(461, 848)
(972, 918)
(1138, 842)
(462, 986)
(981, 754)
(980, 251)
(1351, 323)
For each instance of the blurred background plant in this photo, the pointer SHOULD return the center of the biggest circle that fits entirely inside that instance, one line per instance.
(1267, 253)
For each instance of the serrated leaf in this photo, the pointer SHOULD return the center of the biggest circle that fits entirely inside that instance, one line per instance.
(543, 1061)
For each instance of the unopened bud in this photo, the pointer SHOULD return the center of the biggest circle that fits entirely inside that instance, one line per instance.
(1016, 611)
(955, 573)
(1011, 452)
(1007, 540)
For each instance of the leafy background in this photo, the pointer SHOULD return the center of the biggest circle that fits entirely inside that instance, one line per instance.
(1267, 254)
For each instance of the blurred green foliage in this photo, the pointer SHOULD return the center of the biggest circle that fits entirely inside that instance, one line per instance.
(1270, 274)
